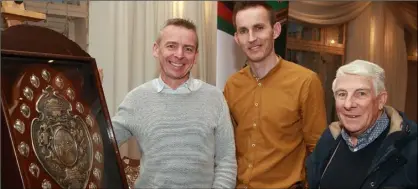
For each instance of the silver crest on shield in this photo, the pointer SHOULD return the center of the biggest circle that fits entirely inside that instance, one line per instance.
(61, 141)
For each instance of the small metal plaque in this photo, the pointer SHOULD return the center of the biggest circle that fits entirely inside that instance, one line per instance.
(70, 93)
(46, 184)
(23, 149)
(46, 75)
(34, 80)
(19, 126)
(28, 93)
(59, 82)
(34, 170)
(25, 110)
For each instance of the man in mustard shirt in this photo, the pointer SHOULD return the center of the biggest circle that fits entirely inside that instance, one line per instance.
(277, 106)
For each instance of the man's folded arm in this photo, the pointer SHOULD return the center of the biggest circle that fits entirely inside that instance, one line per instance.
(225, 160)
(122, 122)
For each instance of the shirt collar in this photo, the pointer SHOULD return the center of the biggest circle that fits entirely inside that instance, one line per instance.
(191, 84)
(276, 67)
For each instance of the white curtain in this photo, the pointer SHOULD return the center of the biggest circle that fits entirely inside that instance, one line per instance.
(121, 36)
(375, 33)
(338, 12)
(407, 11)
(326, 12)
(381, 40)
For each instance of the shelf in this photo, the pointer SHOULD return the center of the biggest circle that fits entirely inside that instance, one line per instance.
(296, 44)
(15, 13)
(412, 58)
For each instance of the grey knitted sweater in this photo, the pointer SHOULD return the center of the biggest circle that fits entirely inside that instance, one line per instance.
(185, 140)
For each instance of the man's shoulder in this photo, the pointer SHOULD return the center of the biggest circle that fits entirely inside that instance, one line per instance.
(210, 89)
(240, 76)
(326, 142)
(148, 86)
(294, 68)
(408, 123)
(410, 127)
(329, 136)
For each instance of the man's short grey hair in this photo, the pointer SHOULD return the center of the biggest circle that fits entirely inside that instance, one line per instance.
(180, 22)
(364, 68)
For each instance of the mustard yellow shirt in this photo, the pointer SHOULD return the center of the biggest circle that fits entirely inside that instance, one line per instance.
(277, 120)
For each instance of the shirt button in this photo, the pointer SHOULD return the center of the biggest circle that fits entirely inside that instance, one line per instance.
(256, 104)
(253, 145)
(254, 125)
(259, 84)
(250, 165)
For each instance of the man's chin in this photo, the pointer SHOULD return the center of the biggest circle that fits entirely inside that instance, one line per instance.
(180, 76)
(257, 58)
(353, 131)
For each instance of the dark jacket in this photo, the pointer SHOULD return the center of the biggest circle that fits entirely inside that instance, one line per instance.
(395, 162)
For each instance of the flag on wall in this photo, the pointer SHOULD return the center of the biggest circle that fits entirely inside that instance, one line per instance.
(230, 58)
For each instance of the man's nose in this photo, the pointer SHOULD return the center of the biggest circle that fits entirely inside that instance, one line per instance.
(252, 37)
(349, 103)
(179, 53)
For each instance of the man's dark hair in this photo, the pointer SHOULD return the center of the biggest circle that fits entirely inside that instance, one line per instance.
(243, 5)
(180, 22)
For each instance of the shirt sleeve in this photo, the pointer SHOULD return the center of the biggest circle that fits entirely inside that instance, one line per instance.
(313, 111)
(122, 121)
(226, 94)
(225, 160)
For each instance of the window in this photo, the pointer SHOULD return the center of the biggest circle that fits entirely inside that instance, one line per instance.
(298, 31)
(68, 17)
(70, 2)
(320, 49)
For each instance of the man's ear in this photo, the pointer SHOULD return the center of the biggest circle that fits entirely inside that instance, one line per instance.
(155, 49)
(382, 98)
(236, 38)
(277, 29)
(196, 56)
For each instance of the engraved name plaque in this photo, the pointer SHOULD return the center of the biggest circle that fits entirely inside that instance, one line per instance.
(56, 130)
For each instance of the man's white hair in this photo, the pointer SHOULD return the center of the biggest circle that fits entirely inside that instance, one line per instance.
(364, 68)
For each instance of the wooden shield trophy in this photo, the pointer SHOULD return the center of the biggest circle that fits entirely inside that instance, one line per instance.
(55, 127)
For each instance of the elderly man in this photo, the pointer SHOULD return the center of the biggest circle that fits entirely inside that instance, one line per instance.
(182, 124)
(373, 145)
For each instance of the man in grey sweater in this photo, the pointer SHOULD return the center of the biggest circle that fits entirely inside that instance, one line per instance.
(182, 124)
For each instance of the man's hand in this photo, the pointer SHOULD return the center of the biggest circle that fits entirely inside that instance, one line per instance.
(101, 74)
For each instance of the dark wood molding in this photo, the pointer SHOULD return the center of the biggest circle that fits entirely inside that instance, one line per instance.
(297, 44)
